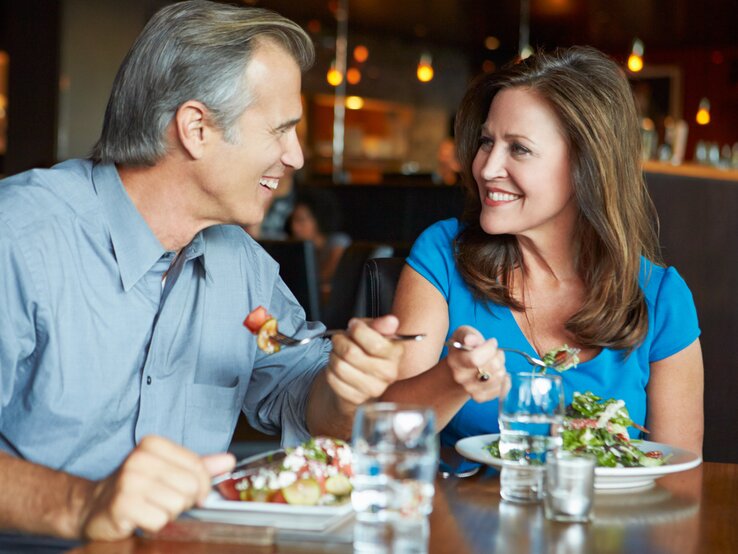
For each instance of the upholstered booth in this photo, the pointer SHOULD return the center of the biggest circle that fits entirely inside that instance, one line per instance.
(347, 295)
(298, 269)
(381, 276)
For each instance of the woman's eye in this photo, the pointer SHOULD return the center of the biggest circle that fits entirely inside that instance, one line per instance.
(519, 149)
(485, 143)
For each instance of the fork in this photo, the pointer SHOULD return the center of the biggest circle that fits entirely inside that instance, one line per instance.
(286, 340)
(530, 359)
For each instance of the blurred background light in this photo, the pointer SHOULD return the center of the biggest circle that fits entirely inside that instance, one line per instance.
(334, 77)
(703, 112)
(353, 76)
(361, 53)
(635, 60)
(425, 68)
(354, 102)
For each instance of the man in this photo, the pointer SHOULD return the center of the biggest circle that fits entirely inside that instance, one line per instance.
(123, 363)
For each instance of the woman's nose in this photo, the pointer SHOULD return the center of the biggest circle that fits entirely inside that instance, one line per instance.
(495, 165)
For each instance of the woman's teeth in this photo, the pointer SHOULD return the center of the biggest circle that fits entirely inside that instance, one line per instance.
(502, 196)
(269, 183)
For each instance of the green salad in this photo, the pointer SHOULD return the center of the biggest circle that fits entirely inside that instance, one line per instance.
(600, 427)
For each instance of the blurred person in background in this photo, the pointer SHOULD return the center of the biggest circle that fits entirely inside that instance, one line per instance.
(317, 217)
(448, 170)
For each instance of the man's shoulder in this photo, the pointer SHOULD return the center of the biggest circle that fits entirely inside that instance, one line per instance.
(230, 239)
(229, 236)
(35, 195)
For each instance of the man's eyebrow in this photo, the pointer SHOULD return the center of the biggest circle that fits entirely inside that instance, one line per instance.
(288, 124)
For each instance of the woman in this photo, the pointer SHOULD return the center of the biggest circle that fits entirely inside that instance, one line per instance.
(317, 217)
(558, 245)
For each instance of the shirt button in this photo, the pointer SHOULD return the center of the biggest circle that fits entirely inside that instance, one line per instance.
(148, 380)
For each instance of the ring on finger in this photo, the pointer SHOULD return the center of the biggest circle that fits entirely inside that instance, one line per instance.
(482, 375)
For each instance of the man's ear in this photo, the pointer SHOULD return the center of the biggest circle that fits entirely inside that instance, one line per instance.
(190, 124)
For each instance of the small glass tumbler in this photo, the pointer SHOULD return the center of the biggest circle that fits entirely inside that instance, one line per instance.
(569, 486)
(395, 453)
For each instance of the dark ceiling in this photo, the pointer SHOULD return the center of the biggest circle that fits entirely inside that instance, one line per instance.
(609, 25)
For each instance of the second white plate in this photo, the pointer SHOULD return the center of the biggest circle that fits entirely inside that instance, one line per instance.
(475, 449)
(280, 516)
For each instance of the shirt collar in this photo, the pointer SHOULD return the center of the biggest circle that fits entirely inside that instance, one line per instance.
(196, 249)
(136, 247)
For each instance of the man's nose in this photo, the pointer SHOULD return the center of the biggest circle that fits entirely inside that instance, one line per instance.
(293, 156)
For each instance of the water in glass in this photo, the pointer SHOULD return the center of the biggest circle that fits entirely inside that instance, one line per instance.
(395, 461)
(531, 416)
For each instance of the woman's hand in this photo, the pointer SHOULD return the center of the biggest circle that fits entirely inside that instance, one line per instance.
(480, 371)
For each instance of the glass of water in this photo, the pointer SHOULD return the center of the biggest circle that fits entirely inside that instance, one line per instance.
(531, 417)
(569, 486)
(395, 457)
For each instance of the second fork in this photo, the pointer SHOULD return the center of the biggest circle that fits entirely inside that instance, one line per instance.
(286, 340)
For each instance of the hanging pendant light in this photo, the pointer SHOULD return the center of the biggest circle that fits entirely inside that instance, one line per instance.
(334, 77)
(425, 68)
(524, 48)
(635, 60)
(703, 112)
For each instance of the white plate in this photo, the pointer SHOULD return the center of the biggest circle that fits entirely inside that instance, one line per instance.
(474, 448)
(280, 516)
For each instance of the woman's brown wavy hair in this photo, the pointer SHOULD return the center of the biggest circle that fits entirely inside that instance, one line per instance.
(617, 222)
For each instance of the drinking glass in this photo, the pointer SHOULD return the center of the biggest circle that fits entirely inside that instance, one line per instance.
(569, 486)
(531, 417)
(395, 457)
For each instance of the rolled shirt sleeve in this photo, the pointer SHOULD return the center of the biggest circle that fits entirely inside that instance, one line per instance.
(280, 383)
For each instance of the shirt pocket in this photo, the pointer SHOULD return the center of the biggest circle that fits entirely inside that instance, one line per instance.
(211, 412)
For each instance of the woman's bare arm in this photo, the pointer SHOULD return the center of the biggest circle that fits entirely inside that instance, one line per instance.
(675, 399)
(447, 384)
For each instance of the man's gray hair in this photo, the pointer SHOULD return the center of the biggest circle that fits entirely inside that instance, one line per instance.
(193, 50)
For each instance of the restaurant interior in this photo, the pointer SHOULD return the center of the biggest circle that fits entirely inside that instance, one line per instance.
(379, 107)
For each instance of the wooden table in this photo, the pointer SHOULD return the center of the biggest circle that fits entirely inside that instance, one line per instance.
(689, 512)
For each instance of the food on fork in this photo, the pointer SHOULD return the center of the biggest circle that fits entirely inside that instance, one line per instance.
(562, 358)
(316, 473)
(264, 326)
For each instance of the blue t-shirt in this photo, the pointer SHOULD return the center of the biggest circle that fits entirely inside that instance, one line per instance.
(672, 326)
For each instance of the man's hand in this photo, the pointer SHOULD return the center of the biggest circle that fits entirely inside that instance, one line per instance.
(363, 362)
(157, 481)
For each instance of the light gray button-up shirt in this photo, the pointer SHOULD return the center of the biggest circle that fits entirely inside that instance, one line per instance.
(96, 352)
